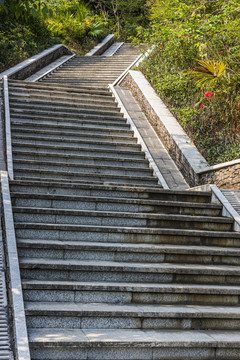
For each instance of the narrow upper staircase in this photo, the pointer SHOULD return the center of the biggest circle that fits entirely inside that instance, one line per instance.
(112, 265)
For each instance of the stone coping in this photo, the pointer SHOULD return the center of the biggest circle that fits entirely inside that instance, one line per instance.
(102, 46)
(113, 49)
(19, 322)
(125, 73)
(28, 67)
(220, 166)
(219, 198)
(133, 127)
(49, 68)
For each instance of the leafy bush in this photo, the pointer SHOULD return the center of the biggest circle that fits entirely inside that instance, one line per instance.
(123, 17)
(27, 27)
(209, 31)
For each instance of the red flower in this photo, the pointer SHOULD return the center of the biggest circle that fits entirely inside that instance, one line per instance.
(234, 130)
(201, 106)
(161, 44)
(213, 120)
(209, 94)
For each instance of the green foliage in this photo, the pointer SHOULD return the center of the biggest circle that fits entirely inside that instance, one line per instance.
(124, 17)
(27, 27)
(207, 73)
(209, 31)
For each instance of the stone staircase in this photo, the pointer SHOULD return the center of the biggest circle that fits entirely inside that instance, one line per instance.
(112, 265)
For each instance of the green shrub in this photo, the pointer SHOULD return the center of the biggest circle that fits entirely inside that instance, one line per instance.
(183, 31)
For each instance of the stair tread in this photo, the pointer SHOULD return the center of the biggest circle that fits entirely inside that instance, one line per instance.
(130, 188)
(78, 156)
(134, 287)
(141, 248)
(132, 230)
(113, 337)
(114, 199)
(124, 214)
(99, 265)
(124, 310)
(90, 166)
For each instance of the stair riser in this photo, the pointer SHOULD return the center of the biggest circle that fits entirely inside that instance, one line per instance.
(59, 106)
(83, 83)
(74, 124)
(119, 193)
(63, 89)
(81, 161)
(106, 206)
(130, 352)
(79, 169)
(81, 254)
(76, 191)
(136, 238)
(128, 297)
(79, 151)
(53, 274)
(103, 144)
(64, 138)
(67, 98)
(62, 112)
(82, 178)
(101, 220)
(113, 321)
(78, 133)
(35, 117)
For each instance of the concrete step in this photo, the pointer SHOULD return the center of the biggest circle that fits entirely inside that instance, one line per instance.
(76, 202)
(133, 235)
(72, 137)
(145, 317)
(16, 84)
(87, 71)
(101, 60)
(139, 253)
(71, 144)
(31, 109)
(130, 293)
(80, 177)
(92, 151)
(61, 167)
(81, 84)
(110, 218)
(58, 104)
(127, 49)
(68, 118)
(56, 96)
(80, 270)
(70, 129)
(99, 159)
(57, 344)
(131, 192)
(74, 123)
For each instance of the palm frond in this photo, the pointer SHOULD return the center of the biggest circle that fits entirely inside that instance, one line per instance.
(207, 72)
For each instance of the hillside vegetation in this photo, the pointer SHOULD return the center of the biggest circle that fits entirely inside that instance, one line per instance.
(195, 68)
(27, 27)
